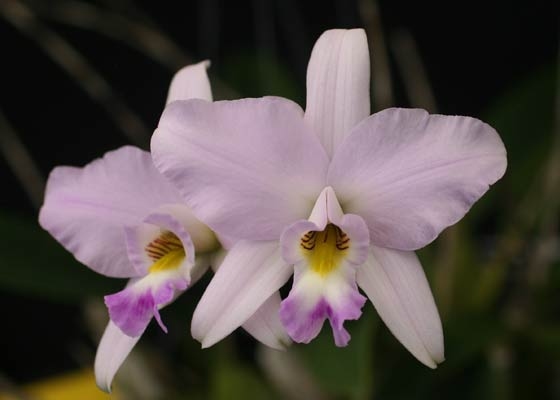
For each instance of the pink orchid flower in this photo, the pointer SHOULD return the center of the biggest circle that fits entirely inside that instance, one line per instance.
(119, 216)
(333, 196)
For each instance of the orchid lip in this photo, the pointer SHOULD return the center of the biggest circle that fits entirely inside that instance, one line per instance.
(328, 239)
(167, 252)
(168, 274)
(325, 250)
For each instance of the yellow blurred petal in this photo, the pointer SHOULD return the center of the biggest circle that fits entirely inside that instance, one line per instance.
(72, 386)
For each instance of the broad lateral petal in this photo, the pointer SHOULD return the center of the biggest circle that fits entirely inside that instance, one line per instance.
(85, 209)
(338, 79)
(191, 82)
(265, 325)
(237, 163)
(248, 276)
(410, 174)
(396, 284)
(113, 349)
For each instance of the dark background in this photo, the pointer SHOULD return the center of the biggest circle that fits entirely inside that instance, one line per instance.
(79, 78)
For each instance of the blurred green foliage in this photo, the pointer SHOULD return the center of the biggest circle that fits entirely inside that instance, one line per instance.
(35, 265)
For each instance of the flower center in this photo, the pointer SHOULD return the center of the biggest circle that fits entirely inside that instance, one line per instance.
(166, 251)
(325, 250)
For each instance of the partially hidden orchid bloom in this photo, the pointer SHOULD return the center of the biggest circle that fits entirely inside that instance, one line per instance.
(119, 216)
(335, 197)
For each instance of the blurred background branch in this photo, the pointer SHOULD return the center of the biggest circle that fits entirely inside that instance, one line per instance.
(83, 74)
(21, 162)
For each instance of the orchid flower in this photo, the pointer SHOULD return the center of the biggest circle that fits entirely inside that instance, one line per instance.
(119, 216)
(335, 197)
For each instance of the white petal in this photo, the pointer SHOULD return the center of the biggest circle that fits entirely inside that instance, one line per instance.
(265, 324)
(248, 276)
(338, 85)
(410, 175)
(111, 353)
(396, 284)
(190, 82)
(246, 168)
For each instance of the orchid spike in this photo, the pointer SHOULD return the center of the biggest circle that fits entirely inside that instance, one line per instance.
(119, 216)
(335, 197)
